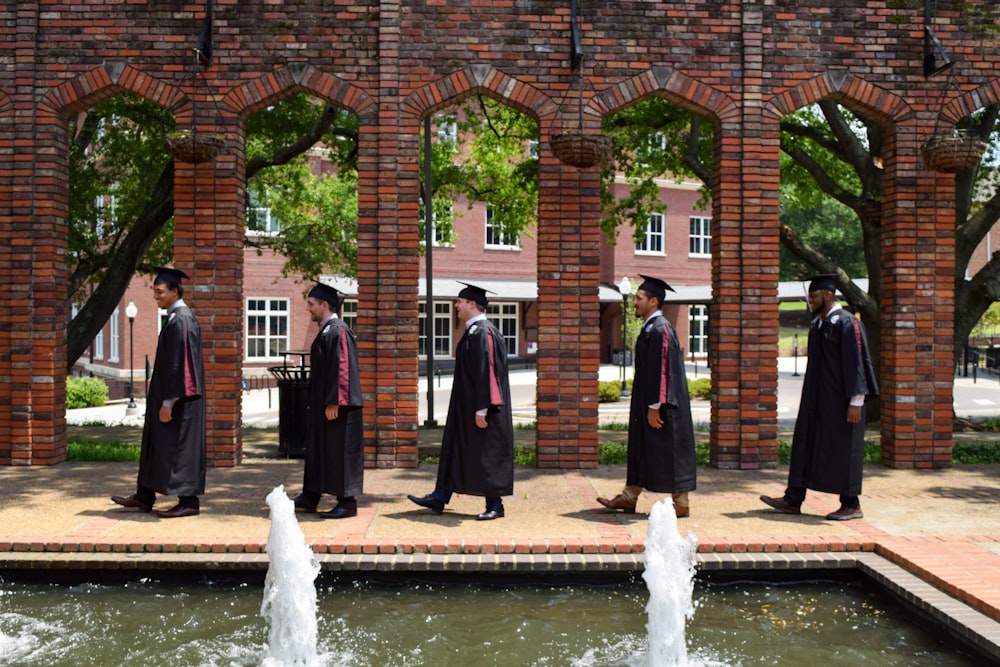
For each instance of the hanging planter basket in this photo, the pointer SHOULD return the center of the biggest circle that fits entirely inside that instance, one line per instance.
(192, 147)
(581, 150)
(952, 153)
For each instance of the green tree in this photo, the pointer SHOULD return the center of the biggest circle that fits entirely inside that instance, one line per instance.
(487, 158)
(652, 139)
(121, 196)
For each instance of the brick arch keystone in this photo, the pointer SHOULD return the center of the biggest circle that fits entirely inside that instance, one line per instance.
(687, 92)
(840, 86)
(252, 96)
(484, 78)
(970, 102)
(104, 82)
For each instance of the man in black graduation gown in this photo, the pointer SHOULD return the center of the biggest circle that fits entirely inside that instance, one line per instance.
(334, 461)
(828, 445)
(172, 458)
(660, 431)
(477, 449)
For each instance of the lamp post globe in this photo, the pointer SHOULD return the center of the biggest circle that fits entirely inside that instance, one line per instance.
(130, 312)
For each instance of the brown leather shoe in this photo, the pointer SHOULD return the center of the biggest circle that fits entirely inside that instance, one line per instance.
(781, 505)
(682, 512)
(846, 514)
(131, 502)
(619, 502)
(178, 511)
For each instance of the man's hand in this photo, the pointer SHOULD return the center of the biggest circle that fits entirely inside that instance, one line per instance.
(853, 414)
(653, 417)
(481, 421)
(332, 412)
(166, 414)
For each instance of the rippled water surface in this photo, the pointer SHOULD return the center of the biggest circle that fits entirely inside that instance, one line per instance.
(218, 623)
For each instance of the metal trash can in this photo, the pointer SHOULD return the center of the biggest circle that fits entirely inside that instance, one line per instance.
(293, 405)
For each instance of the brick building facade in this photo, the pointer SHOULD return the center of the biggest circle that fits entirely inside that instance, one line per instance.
(740, 65)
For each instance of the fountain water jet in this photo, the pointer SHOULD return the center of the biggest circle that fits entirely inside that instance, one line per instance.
(669, 576)
(289, 603)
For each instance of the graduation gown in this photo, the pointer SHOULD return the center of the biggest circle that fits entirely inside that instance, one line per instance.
(334, 458)
(660, 460)
(827, 451)
(172, 458)
(476, 461)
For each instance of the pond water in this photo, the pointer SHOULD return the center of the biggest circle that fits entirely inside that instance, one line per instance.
(154, 621)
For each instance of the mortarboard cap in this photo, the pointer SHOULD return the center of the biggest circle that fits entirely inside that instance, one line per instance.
(822, 281)
(323, 292)
(655, 287)
(167, 275)
(474, 293)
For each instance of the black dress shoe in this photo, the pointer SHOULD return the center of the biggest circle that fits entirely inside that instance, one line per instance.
(178, 511)
(131, 501)
(341, 511)
(490, 515)
(302, 504)
(430, 502)
(781, 505)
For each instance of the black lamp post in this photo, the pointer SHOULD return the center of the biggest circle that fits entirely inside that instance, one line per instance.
(625, 287)
(130, 312)
(795, 351)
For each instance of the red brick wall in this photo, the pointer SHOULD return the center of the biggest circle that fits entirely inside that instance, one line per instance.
(741, 65)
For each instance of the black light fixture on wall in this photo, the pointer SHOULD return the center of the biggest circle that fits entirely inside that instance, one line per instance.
(932, 46)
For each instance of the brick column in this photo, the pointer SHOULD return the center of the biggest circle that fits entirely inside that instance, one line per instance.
(389, 263)
(744, 310)
(568, 314)
(34, 270)
(208, 245)
(918, 267)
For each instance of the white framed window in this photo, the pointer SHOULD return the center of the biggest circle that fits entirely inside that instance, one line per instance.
(113, 336)
(447, 128)
(443, 238)
(700, 237)
(496, 239)
(349, 313)
(653, 243)
(442, 329)
(504, 315)
(99, 344)
(698, 330)
(260, 221)
(267, 328)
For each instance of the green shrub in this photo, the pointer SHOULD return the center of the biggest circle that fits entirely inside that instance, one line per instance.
(114, 450)
(609, 392)
(612, 453)
(85, 392)
(700, 388)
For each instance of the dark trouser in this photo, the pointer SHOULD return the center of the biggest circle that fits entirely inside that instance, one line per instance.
(146, 495)
(312, 498)
(796, 495)
(444, 495)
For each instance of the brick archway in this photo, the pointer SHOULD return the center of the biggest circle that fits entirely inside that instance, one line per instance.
(480, 78)
(252, 96)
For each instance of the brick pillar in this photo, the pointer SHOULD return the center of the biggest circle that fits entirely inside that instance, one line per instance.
(7, 275)
(33, 265)
(918, 268)
(568, 314)
(208, 245)
(744, 310)
(389, 263)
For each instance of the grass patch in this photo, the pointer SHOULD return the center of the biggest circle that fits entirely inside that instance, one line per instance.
(115, 450)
